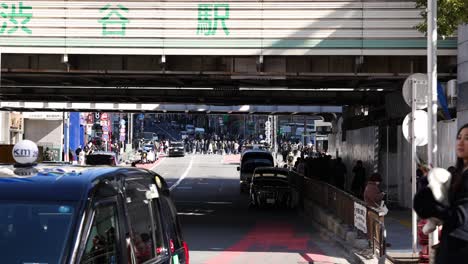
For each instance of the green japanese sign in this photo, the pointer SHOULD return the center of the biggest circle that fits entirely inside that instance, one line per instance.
(113, 17)
(14, 17)
(208, 17)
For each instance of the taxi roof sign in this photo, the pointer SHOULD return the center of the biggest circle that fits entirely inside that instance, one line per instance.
(25, 152)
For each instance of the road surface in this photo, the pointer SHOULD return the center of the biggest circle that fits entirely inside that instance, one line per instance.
(220, 228)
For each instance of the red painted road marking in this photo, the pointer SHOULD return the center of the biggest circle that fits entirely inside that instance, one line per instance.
(231, 159)
(148, 166)
(269, 237)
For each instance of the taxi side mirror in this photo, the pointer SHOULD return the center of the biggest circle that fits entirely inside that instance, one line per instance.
(238, 168)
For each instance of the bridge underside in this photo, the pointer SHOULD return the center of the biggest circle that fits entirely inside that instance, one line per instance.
(302, 80)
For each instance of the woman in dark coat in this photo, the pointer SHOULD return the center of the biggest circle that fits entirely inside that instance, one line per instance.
(453, 247)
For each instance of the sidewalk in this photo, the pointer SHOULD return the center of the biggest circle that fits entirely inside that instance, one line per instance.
(398, 227)
(399, 235)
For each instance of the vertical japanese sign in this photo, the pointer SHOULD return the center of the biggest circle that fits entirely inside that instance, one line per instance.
(122, 130)
(15, 17)
(360, 217)
(105, 126)
(210, 16)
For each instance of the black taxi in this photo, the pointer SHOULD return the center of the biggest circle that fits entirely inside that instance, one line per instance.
(71, 214)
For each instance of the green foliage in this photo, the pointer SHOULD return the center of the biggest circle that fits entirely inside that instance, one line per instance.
(450, 14)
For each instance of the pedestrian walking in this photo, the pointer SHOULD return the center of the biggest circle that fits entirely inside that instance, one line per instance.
(373, 196)
(359, 180)
(339, 174)
(453, 246)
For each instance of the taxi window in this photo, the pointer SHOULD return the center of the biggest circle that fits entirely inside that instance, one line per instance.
(281, 175)
(171, 220)
(177, 145)
(143, 218)
(140, 221)
(250, 165)
(101, 244)
(34, 232)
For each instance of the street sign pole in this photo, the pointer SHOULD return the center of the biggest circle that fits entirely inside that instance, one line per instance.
(415, 95)
(414, 218)
(432, 100)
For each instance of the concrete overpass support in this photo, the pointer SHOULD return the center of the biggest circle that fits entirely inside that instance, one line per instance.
(4, 128)
(462, 105)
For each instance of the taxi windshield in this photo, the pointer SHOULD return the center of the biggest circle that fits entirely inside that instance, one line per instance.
(34, 233)
(250, 165)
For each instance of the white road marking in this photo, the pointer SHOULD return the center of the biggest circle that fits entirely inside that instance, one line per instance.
(183, 175)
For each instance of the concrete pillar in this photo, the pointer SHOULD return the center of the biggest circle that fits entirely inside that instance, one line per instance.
(4, 128)
(462, 102)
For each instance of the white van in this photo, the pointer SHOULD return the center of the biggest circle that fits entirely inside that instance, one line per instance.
(183, 134)
(199, 130)
(190, 129)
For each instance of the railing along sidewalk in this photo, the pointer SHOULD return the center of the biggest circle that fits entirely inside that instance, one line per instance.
(341, 204)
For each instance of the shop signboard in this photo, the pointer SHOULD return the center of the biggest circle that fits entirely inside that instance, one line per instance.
(16, 122)
(104, 117)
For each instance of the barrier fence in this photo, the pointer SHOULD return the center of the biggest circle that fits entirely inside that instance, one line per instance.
(341, 204)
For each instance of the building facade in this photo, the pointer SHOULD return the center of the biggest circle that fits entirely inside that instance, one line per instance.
(462, 106)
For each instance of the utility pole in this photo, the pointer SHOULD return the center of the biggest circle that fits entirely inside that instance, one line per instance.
(305, 131)
(275, 134)
(67, 157)
(130, 131)
(245, 133)
(62, 157)
(432, 100)
(128, 128)
(65, 137)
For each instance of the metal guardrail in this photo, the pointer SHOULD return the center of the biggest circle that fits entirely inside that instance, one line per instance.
(341, 204)
(378, 234)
